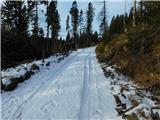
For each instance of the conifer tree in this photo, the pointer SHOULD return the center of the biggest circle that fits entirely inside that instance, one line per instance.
(48, 26)
(81, 21)
(151, 12)
(134, 13)
(54, 22)
(112, 26)
(15, 17)
(103, 19)
(67, 23)
(74, 19)
(90, 15)
(41, 36)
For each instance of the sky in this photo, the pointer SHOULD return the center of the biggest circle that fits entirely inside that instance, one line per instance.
(114, 7)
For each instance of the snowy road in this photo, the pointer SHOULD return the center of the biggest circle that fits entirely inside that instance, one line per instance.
(73, 89)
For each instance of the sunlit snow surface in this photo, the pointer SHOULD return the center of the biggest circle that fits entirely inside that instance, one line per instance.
(75, 88)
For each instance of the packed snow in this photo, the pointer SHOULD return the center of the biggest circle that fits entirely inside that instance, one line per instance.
(75, 88)
(21, 69)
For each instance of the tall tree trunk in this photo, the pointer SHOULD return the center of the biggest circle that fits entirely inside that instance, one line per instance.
(2, 85)
(142, 16)
(43, 50)
(37, 19)
(141, 8)
(37, 27)
(125, 17)
(54, 45)
(47, 48)
(134, 13)
(76, 42)
(104, 17)
(47, 33)
(43, 55)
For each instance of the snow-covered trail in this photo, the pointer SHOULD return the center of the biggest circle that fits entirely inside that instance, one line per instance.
(73, 89)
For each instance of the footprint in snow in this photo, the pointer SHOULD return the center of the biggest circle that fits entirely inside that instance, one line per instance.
(58, 91)
(97, 113)
(48, 105)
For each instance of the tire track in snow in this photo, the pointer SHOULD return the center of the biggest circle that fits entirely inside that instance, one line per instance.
(96, 112)
(85, 96)
(47, 87)
(42, 87)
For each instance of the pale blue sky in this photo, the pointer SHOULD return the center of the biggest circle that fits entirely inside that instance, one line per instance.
(114, 7)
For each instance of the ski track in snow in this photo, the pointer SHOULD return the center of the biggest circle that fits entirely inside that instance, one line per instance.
(73, 89)
(85, 96)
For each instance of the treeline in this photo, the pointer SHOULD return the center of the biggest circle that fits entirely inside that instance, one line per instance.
(79, 27)
(132, 43)
(145, 13)
(24, 39)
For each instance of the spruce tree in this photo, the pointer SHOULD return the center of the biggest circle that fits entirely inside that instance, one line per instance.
(134, 13)
(41, 37)
(74, 19)
(103, 19)
(151, 12)
(67, 23)
(48, 26)
(90, 15)
(112, 26)
(54, 22)
(68, 42)
(16, 17)
(81, 22)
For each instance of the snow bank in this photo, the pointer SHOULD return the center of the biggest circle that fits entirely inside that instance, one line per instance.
(22, 69)
(137, 100)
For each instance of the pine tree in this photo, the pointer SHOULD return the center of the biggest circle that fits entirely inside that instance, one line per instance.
(68, 33)
(35, 24)
(35, 18)
(95, 38)
(2, 85)
(117, 25)
(134, 13)
(41, 36)
(67, 23)
(74, 19)
(16, 17)
(141, 11)
(68, 42)
(151, 12)
(54, 22)
(48, 26)
(81, 21)
(112, 26)
(103, 19)
(90, 15)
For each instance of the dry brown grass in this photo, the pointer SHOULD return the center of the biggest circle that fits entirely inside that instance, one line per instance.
(136, 60)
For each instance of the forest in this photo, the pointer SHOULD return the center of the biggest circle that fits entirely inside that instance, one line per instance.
(111, 72)
(23, 39)
(135, 46)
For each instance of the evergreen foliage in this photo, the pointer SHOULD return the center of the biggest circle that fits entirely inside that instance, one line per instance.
(23, 38)
(74, 19)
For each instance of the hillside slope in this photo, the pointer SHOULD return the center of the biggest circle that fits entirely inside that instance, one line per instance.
(137, 54)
